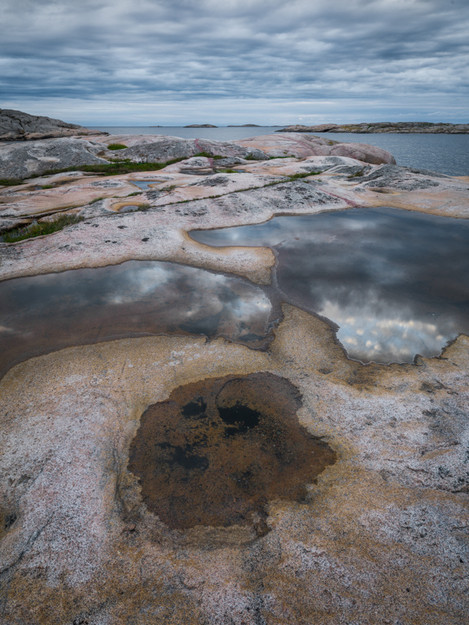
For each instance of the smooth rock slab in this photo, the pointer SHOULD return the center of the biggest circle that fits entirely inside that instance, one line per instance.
(23, 160)
(19, 126)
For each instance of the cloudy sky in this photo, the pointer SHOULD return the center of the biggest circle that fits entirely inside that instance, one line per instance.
(173, 62)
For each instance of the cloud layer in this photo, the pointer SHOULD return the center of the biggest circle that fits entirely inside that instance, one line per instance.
(177, 61)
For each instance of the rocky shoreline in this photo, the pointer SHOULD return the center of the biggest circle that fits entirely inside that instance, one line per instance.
(379, 535)
(384, 127)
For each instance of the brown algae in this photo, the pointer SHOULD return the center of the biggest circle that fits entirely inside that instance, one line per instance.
(217, 451)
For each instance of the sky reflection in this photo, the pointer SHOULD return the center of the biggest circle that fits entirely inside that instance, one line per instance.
(396, 282)
(45, 313)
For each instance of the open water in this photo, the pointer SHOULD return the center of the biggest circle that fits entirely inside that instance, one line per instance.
(445, 154)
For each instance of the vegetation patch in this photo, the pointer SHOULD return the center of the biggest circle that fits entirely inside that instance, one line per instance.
(116, 146)
(10, 182)
(38, 229)
(303, 175)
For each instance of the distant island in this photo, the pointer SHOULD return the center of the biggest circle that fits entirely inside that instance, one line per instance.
(389, 127)
(200, 126)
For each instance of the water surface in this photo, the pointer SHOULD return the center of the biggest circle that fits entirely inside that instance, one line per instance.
(395, 282)
(41, 314)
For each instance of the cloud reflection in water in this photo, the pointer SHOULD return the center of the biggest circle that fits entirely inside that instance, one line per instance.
(45, 313)
(396, 282)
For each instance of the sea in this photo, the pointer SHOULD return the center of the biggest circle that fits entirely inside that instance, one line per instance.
(442, 153)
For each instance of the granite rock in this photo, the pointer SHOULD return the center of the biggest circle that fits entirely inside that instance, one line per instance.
(300, 146)
(19, 126)
(162, 149)
(25, 159)
(386, 127)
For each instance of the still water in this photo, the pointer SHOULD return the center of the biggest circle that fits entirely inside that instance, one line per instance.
(42, 314)
(446, 154)
(395, 282)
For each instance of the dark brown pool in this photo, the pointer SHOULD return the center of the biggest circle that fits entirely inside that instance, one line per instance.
(218, 451)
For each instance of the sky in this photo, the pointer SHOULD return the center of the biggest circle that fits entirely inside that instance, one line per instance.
(268, 62)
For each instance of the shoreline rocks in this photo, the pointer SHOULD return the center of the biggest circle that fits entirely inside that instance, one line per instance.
(19, 126)
(383, 127)
(379, 536)
(25, 159)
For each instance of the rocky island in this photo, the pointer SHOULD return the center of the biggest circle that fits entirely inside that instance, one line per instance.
(174, 476)
(384, 127)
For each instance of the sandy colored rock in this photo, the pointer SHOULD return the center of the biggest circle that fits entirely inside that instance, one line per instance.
(379, 536)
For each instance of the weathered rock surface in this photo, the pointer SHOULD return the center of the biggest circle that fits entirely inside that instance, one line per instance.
(19, 126)
(23, 160)
(389, 127)
(379, 537)
(304, 145)
(162, 149)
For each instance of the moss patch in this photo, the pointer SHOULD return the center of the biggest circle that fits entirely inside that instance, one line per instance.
(38, 229)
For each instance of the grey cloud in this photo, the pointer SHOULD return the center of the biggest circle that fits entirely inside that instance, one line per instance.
(236, 49)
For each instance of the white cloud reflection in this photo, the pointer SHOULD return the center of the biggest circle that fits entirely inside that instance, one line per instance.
(385, 336)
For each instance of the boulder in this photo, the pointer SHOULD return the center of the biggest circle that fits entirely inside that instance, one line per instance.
(302, 146)
(27, 159)
(19, 126)
(163, 149)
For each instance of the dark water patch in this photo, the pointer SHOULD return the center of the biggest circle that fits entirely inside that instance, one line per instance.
(217, 451)
(395, 282)
(42, 314)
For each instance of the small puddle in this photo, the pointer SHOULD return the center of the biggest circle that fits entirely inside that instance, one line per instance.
(42, 314)
(146, 185)
(395, 282)
(218, 451)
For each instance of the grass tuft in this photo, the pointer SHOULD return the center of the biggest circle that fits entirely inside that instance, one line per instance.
(116, 146)
(10, 182)
(38, 229)
(303, 175)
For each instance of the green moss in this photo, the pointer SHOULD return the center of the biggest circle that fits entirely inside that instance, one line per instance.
(38, 229)
(116, 146)
(304, 175)
(47, 186)
(10, 182)
(357, 174)
(116, 167)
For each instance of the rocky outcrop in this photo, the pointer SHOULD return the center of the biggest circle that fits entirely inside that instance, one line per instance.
(389, 127)
(23, 160)
(379, 536)
(163, 149)
(200, 126)
(19, 126)
(301, 146)
(34, 158)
